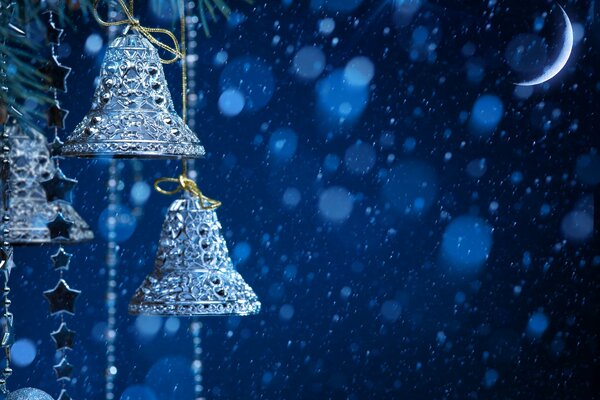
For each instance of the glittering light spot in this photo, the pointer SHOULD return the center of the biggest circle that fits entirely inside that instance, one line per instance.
(411, 183)
(231, 102)
(309, 62)
(339, 100)
(172, 325)
(359, 158)
(516, 177)
(221, 57)
(466, 243)
(241, 252)
(93, 44)
(291, 197)
(345, 292)
(477, 168)
(148, 325)
(331, 162)
(359, 71)
(267, 378)
(391, 310)
(283, 144)
(251, 77)
(537, 324)
(286, 312)
(578, 225)
(410, 143)
(490, 378)
(335, 204)
(486, 114)
(420, 35)
(120, 219)
(326, 26)
(140, 193)
(23, 352)
(138, 392)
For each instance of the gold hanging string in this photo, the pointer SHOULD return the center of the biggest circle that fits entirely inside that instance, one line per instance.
(146, 32)
(183, 182)
(186, 184)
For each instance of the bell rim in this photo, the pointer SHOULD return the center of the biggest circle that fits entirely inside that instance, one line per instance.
(83, 150)
(148, 308)
(48, 241)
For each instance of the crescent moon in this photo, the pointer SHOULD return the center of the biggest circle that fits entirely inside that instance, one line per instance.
(551, 71)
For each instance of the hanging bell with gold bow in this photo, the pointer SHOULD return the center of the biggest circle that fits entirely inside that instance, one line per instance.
(193, 273)
(38, 208)
(132, 114)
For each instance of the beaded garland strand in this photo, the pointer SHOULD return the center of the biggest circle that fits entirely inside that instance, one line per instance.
(6, 248)
(61, 298)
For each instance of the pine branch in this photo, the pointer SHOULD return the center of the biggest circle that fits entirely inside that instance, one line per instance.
(23, 92)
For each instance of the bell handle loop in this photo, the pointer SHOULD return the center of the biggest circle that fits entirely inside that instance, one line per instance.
(188, 185)
(133, 23)
(167, 192)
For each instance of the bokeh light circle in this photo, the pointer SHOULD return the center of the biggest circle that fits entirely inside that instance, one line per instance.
(231, 102)
(339, 100)
(23, 352)
(486, 114)
(359, 71)
(148, 325)
(282, 144)
(359, 158)
(309, 62)
(466, 243)
(578, 225)
(140, 193)
(335, 204)
(537, 324)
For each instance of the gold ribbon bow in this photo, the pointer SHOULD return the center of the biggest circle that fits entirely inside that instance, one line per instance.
(188, 185)
(146, 32)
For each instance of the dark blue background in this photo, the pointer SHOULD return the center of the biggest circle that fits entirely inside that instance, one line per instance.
(411, 327)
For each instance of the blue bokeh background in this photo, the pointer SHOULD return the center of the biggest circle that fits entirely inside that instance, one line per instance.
(415, 225)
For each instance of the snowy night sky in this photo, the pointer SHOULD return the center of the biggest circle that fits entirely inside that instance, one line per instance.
(415, 225)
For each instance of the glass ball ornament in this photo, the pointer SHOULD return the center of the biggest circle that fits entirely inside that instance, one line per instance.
(28, 394)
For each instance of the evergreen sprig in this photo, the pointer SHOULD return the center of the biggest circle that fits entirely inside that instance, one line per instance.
(25, 95)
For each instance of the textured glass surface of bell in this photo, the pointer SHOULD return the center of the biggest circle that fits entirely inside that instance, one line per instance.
(193, 273)
(132, 114)
(28, 394)
(33, 218)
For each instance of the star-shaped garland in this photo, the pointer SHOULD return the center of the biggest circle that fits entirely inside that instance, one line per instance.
(55, 74)
(61, 259)
(59, 186)
(63, 337)
(63, 370)
(62, 298)
(59, 227)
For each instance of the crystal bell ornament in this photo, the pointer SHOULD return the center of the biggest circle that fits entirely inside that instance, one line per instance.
(28, 394)
(193, 274)
(132, 114)
(37, 210)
